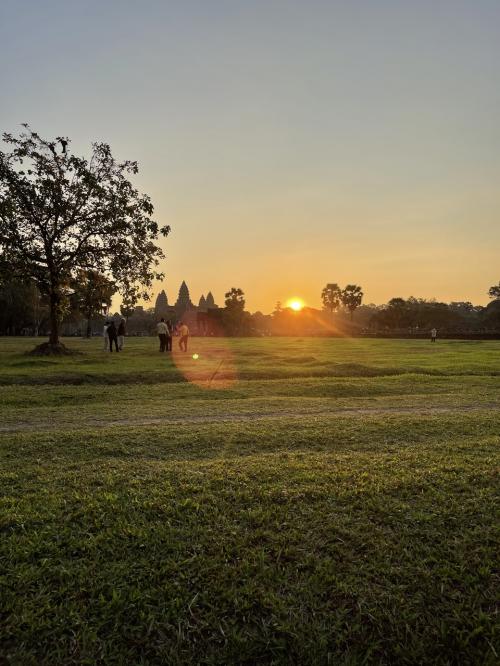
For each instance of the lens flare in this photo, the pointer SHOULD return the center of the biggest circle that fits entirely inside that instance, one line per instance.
(211, 367)
(295, 304)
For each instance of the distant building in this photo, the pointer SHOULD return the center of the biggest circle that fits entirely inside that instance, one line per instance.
(161, 305)
(202, 304)
(210, 301)
(183, 303)
(184, 309)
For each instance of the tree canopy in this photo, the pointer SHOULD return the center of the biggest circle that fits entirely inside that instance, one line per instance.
(234, 312)
(494, 291)
(331, 297)
(352, 297)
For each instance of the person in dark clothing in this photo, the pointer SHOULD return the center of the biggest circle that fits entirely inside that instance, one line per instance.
(169, 335)
(121, 334)
(113, 336)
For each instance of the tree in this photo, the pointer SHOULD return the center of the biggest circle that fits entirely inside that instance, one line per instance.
(235, 299)
(234, 313)
(127, 307)
(60, 213)
(494, 291)
(331, 297)
(397, 309)
(351, 298)
(260, 323)
(92, 292)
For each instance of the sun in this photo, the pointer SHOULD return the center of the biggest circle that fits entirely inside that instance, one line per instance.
(295, 304)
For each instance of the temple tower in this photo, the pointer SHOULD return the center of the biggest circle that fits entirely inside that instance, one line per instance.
(183, 302)
(161, 304)
(202, 305)
(209, 301)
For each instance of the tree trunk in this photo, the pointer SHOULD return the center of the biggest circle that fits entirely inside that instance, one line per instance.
(53, 346)
(54, 318)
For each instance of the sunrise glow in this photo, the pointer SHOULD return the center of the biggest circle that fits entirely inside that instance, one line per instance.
(295, 304)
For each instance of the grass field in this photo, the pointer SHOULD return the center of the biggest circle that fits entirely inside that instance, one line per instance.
(274, 501)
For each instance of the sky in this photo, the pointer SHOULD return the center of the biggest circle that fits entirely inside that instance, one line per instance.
(287, 143)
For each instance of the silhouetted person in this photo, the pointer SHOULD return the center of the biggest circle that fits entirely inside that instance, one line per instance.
(184, 336)
(113, 336)
(121, 333)
(162, 329)
(434, 334)
(169, 335)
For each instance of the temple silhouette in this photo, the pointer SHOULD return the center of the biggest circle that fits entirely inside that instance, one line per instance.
(184, 309)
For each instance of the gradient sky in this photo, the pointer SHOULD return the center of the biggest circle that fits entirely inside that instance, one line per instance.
(288, 143)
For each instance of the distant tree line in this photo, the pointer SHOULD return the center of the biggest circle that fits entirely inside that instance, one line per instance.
(24, 310)
(344, 314)
(86, 300)
(416, 314)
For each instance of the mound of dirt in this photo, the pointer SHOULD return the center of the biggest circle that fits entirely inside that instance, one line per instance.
(49, 349)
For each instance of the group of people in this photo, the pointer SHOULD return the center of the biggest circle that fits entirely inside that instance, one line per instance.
(166, 332)
(113, 334)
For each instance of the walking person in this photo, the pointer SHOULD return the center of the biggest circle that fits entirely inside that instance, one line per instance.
(105, 336)
(169, 335)
(162, 329)
(433, 334)
(184, 336)
(121, 333)
(113, 336)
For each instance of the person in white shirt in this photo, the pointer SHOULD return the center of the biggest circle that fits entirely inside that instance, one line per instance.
(434, 335)
(105, 336)
(162, 329)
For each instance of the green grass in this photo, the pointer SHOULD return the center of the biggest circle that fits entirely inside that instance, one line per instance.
(276, 501)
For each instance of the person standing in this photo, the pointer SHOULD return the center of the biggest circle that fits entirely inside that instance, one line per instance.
(433, 334)
(113, 336)
(162, 329)
(169, 335)
(105, 335)
(121, 333)
(184, 336)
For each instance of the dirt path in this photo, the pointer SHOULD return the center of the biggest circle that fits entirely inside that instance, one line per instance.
(27, 426)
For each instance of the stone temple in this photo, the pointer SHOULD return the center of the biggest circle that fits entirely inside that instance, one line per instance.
(184, 309)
